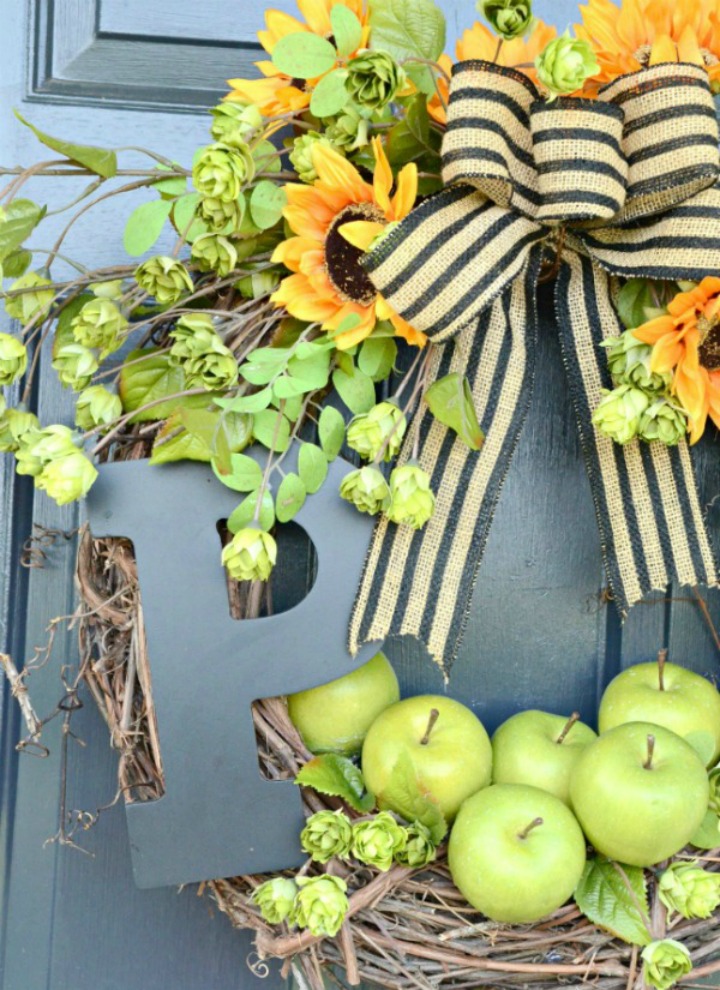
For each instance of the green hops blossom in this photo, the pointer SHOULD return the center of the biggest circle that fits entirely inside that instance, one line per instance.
(508, 18)
(258, 283)
(212, 252)
(99, 324)
(320, 904)
(216, 369)
(13, 359)
(665, 962)
(412, 501)
(29, 303)
(165, 278)
(275, 898)
(235, 123)
(419, 848)
(250, 555)
(301, 155)
(97, 406)
(221, 171)
(629, 363)
(192, 335)
(688, 890)
(39, 447)
(664, 422)
(220, 215)
(107, 290)
(373, 80)
(619, 413)
(75, 365)
(565, 64)
(14, 424)
(367, 489)
(326, 834)
(378, 841)
(349, 131)
(383, 428)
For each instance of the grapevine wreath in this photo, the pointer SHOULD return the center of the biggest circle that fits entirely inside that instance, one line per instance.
(369, 204)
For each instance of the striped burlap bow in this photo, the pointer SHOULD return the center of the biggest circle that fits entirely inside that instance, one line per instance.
(627, 184)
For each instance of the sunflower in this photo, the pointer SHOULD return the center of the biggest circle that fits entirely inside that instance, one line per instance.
(479, 42)
(278, 93)
(647, 32)
(686, 342)
(335, 220)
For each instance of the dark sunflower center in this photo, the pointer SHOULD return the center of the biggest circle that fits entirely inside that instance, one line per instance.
(300, 84)
(709, 344)
(342, 259)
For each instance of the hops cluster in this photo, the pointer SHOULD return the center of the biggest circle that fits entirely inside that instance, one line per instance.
(320, 904)
(640, 406)
(275, 898)
(32, 301)
(665, 962)
(327, 834)
(97, 406)
(508, 18)
(374, 79)
(75, 365)
(52, 458)
(206, 361)
(378, 433)
(689, 891)
(377, 842)
(407, 500)
(165, 278)
(565, 64)
(250, 555)
(301, 156)
(13, 359)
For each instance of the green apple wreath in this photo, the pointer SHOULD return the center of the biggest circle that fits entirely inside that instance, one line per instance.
(367, 205)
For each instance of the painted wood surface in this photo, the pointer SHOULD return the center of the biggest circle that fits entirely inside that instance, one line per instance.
(539, 634)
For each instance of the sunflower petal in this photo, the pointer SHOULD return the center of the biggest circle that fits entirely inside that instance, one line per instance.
(382, 177)
(339, 174)
(361, 233)
(406, 192)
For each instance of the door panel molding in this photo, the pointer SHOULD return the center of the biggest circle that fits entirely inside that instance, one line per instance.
(156, 64)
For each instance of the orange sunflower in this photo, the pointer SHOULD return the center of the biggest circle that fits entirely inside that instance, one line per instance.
(686, 342)
(335, 220)
(647, 32)
(278, 93)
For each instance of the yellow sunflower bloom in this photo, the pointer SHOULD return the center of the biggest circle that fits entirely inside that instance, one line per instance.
(686, 342)
(278, 93)
(335, 220)
(647, 32)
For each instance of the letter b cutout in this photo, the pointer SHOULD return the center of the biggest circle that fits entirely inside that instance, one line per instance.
(218, 817)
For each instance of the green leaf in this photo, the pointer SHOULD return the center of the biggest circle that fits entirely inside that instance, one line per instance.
(356, 390)
(247, 403)
(337, 776)
(97, 160)
(604, 899)
(144, 226)
(244, 475)
(154, 378)
(408, 29)
(450, 401)
(377, 357)
(303, 55)
(331, 432)
(272, 430)
(16, 264)
(312, 466)
(346, 29)
(412, 801)
(330, 95)
(311, 366)
(175, 443)
(287, 387)
(266, 159)
(267, 202)
(641, 300)
(418, 121)
(244, 514)
(175, 185)
(184, 211)
(290, 497)
(21, 217)
(708, 835)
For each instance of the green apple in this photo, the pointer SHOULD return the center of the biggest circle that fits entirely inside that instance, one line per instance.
(516, 853)
(668, 695)
(539, 749)
(640, 793)
(445, 742)
(335, 717)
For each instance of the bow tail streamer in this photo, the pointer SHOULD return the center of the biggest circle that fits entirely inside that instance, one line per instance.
(421, 582)
(646, 498)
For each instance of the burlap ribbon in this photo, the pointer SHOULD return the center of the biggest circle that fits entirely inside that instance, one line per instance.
(628, 183)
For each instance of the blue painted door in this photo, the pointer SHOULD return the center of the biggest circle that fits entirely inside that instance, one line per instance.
(128, 72)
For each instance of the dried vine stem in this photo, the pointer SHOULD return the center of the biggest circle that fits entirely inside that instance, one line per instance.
(20, 691)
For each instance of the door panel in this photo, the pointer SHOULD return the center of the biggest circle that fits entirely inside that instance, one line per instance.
(539, 635)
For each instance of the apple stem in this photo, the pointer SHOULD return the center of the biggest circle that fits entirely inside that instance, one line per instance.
(533, 824)
(661, 661)
(434, 716)
(650, 750)
(568, 725)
